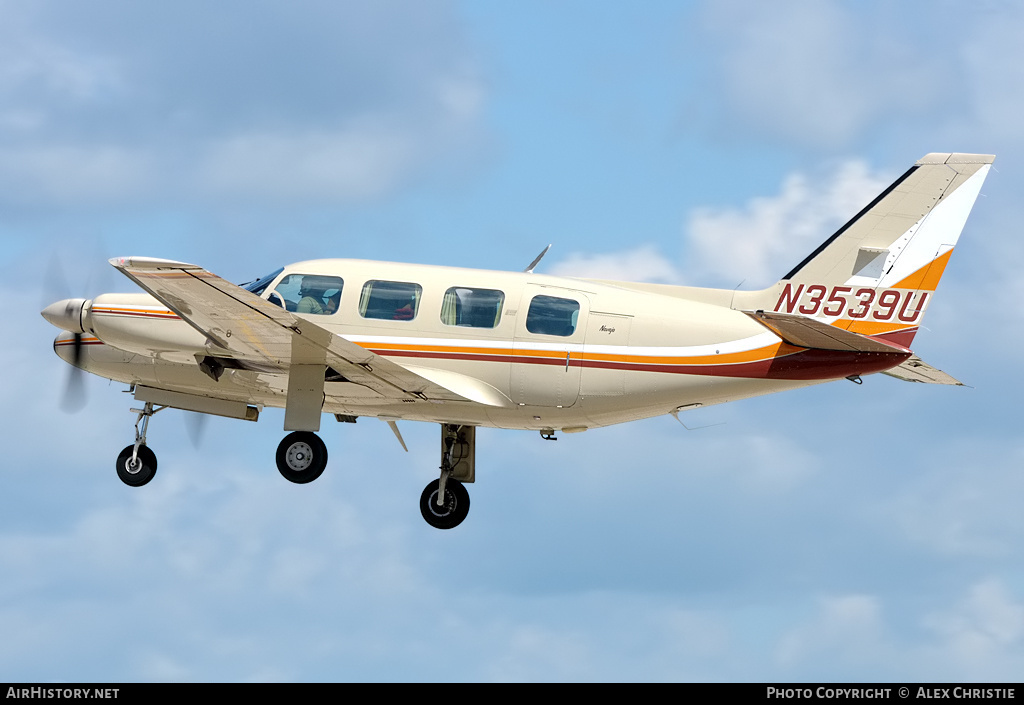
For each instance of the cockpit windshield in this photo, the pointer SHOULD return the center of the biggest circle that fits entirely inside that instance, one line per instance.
(258, 286)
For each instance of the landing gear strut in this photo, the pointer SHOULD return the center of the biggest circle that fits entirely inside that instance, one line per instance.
(444, 503)
(301, 457)
(136, 464)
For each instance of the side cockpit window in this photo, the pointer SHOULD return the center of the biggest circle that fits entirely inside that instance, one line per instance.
(258, 286)
(390, 301)
(475, 308)
(318, 294)
(549, 315)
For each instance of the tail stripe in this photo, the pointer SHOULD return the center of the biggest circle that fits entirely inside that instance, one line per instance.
(927, 277)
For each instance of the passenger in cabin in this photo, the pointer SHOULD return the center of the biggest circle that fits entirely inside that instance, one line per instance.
(407, 312)
(390, 301)
(333, 302)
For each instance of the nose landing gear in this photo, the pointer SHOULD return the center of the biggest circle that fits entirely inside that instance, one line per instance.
(136, 464)
(136, 467)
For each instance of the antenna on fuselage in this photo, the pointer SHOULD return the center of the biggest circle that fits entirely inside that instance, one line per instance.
(675, 414)
(536, 261)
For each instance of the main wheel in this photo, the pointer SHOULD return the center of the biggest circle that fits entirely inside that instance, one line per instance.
(301, 457)
(141, 471)
(453, 508)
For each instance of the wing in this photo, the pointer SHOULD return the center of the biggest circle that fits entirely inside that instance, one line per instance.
(240, 325)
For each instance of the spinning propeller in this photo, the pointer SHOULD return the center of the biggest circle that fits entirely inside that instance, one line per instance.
(66, 314)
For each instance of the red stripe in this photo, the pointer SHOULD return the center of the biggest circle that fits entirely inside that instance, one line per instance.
(135, 314)
(803, 365)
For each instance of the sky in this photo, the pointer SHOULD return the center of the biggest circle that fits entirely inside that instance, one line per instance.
(839, 533)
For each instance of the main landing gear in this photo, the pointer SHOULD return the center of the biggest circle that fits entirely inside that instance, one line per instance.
(444, 503)
(301, 457)
(136, 464)
(444, 509)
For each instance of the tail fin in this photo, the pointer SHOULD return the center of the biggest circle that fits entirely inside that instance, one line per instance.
(877, 274)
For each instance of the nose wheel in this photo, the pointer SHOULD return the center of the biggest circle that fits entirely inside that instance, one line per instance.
(136, 468)
(136, 464)
(301, 457)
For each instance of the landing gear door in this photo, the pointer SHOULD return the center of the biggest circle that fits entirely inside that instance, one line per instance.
(550, 328)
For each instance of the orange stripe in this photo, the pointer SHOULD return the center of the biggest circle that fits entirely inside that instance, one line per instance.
(927, 277)
(119, 309)
(765, 353)
(871, 327)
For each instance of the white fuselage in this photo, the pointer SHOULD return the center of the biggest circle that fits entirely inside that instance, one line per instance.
(625, 353)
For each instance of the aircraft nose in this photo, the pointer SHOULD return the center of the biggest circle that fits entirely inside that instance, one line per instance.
(66, 314)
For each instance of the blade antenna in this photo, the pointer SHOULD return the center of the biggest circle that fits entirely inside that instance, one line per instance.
(536, 261)
(398, 434)
(675, 415)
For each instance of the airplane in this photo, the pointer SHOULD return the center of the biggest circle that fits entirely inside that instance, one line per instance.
(465, 348)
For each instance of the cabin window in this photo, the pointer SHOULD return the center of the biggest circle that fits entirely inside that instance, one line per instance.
(475, 308)
(309, 293)
(390, 301)
(549, 315)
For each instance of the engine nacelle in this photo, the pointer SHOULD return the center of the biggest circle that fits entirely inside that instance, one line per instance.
(140, 324)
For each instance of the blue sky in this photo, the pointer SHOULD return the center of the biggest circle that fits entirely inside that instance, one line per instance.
(835, 533)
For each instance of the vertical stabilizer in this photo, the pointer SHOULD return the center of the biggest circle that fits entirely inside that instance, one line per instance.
(877, 274)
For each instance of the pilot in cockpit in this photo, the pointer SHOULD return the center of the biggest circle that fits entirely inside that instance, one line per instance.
(313, 297)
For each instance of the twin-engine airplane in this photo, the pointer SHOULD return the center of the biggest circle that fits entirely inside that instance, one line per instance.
(465, 348)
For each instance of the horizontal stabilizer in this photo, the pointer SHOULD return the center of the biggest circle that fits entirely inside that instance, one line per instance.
(917, 370)
(812, 333)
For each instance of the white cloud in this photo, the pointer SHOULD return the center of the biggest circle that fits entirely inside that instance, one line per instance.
(644, 264)
(75, 173)
(982, 635)
(815, 73)
(847, 628)
(995, 91)
(32, 67)
(763, 240)
(180, 103)
(755, 244)
(987, 619)
(352, 164)
(964, 505)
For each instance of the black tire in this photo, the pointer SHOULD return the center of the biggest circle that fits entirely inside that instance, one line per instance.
(301, 457)
(142, 471)
(454, 509)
